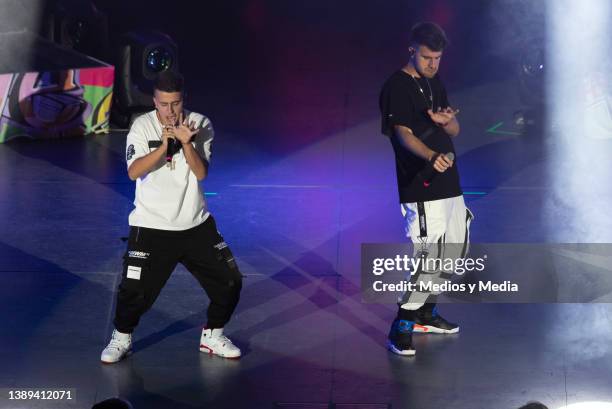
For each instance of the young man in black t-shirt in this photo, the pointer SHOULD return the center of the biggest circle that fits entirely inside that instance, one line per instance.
(418, 119)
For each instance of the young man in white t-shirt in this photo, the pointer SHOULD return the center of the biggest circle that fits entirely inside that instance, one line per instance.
(167, 153)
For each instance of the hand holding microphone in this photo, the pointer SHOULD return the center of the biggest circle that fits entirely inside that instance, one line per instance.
(170, 142)
(173, 136)
(442, 162)
(439, 163)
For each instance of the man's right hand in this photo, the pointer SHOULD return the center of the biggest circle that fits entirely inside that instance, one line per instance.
(440, 162)
(167, 133)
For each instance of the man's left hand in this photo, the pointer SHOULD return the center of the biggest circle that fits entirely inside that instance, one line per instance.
(443, 116)
(185, 130)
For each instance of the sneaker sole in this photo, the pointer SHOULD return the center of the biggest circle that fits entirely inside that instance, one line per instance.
(428, 329)
(128, 353)
(209, 351)
(402, 352)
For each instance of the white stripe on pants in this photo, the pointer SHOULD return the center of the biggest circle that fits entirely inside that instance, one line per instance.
(447, 222)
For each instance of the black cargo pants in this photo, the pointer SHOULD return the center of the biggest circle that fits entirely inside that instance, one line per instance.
(151, 258)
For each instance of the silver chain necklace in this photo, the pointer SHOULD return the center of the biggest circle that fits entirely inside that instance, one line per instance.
(430, 102)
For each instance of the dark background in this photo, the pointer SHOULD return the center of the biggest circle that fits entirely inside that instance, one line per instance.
(256, 66)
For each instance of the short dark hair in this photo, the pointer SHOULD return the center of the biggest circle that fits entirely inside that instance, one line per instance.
(429, 34)
(169, 81)
(534, 405)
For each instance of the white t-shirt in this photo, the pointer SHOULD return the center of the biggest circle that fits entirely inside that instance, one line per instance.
(167, 199)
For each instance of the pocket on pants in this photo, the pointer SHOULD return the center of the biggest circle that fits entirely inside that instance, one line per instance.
(136, 260)
(224, 255)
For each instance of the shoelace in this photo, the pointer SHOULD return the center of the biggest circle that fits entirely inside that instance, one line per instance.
(222, 339)
(225, 340)
(117, 344)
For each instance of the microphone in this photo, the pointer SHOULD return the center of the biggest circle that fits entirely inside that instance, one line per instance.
(429, 174)
(173, 147)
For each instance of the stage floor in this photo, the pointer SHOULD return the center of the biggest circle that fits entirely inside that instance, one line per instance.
(295, 221)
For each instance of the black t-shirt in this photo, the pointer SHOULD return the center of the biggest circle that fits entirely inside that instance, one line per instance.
(402, 103)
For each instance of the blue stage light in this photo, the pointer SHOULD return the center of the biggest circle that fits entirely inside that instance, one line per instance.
(159, 59)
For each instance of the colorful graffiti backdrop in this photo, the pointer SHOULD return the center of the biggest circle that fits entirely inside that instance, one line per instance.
(55, 104)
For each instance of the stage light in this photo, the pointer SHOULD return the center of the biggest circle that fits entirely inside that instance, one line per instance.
(79, 25)
(532, 63)
(141, 56)
(159, 59)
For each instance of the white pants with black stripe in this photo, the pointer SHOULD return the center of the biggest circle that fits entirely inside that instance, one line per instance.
(438, 229)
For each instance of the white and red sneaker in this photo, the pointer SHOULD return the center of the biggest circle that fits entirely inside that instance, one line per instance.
(213, 341)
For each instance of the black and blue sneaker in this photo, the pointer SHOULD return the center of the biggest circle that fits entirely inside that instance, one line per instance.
(427, 320)
(400, 338)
